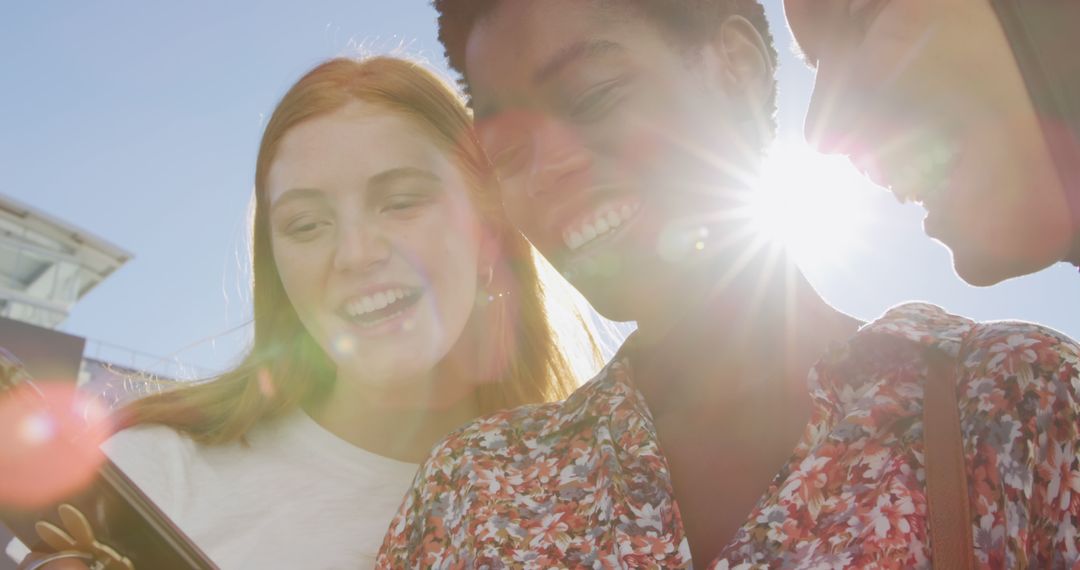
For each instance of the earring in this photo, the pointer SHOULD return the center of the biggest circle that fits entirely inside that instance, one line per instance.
(485, 295)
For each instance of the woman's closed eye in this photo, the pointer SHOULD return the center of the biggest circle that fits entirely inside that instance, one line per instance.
(305, 228)
(405, 205)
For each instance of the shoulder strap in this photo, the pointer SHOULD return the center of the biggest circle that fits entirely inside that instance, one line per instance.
(947, 497)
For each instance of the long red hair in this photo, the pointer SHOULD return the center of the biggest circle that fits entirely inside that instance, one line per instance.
(285, 368)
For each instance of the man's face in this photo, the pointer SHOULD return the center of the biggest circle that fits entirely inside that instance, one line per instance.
(926, 98)
(615, 147)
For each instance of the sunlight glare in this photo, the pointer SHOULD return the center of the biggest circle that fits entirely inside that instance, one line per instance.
(813, 205)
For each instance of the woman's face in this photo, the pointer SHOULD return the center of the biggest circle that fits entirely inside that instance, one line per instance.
(376, 241)
(614, 148)
(925, 96)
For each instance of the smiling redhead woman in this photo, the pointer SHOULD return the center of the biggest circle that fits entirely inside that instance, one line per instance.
(392, 304)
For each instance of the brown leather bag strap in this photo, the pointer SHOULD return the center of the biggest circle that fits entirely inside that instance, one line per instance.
(947, 497)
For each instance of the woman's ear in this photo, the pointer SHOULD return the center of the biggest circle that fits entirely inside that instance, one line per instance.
(489, 254)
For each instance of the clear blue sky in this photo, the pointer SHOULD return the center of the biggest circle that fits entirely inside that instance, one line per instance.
(139, 121)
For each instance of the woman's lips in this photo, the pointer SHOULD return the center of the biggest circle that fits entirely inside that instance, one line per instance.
(381, 312)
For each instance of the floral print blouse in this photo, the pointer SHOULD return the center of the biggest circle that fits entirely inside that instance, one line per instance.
(584, 483)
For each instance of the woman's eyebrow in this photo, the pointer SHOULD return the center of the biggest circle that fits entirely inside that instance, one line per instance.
(294, 194)
(388, 177)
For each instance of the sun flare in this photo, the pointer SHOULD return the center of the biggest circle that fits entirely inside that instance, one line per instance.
(810, 204)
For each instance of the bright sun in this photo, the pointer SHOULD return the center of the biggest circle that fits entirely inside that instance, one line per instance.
(813, 205)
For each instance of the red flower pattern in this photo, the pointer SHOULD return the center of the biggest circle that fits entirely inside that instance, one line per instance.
(584, 484)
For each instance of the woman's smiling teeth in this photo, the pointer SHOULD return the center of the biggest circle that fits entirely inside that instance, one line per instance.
(602, 221)
(375, 308)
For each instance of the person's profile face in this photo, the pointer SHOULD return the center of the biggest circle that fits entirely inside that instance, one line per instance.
(375, 240)
(612, 144)
(926, 98)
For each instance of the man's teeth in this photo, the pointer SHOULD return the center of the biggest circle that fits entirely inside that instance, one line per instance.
(606, 219)
(926, 176)
(371, 303)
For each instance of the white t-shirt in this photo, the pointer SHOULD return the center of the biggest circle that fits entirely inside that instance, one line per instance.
(296, 497)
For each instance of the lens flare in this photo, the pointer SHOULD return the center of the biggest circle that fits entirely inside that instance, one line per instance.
(37, 429)
(679, 240)
(343, 345)
(50, 441)
(266, 383)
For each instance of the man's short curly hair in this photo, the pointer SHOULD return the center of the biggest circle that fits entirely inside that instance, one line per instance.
(691, 21)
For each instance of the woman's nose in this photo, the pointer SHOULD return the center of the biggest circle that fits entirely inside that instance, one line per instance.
(360, 248)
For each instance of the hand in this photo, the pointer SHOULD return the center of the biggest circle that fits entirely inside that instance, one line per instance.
(77, 536)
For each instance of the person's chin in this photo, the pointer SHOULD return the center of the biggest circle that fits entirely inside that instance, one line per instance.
(977, 274)
(981, 269)
(614, 306)
(633, 290)
(987, 255)
(612, 298)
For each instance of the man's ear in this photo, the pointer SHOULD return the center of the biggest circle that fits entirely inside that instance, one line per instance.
(741, 60)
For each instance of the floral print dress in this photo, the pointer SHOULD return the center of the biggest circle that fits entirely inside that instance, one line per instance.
(584, 483)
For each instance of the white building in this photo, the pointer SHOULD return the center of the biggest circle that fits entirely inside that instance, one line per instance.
(47, 265)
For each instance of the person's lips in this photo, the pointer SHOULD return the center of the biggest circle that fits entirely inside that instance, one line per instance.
(378, 306)
(598, 224)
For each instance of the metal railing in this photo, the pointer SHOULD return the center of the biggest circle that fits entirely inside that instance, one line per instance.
(153, 365)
